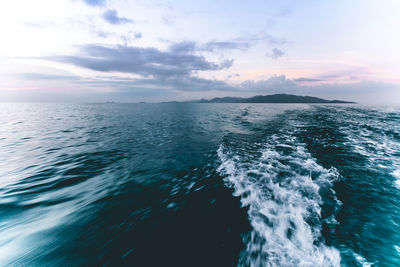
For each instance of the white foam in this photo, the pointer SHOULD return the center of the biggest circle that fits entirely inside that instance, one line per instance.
(374, 144)
(362, 260)
(396, 173)
(284, 210)
(397, 248)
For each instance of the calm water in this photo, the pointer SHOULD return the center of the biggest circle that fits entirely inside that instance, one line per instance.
(199, 185)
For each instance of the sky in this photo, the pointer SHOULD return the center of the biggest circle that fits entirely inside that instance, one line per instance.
(152, 50)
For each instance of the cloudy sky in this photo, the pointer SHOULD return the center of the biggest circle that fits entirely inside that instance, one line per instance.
(153, 50)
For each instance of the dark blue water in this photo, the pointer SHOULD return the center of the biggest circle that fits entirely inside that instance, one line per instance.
(199, 185)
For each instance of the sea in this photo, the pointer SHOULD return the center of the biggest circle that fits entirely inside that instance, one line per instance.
(191, 184)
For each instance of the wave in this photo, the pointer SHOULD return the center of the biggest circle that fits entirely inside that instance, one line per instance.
(362, 261)
(375, 135)
(396, 173)
(281, 186)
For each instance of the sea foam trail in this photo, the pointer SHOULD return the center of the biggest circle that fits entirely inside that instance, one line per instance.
(284, 204)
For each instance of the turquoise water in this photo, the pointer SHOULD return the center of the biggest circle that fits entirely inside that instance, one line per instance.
(199, 185)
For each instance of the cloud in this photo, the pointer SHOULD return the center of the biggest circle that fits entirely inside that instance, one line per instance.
(364, 91)
(226, 64)
(148, 62)
(95, 2)
(190, 46)
(184, 47)
(310, 80)
(276, 82)
(265, 37)
(48, 87)
(173, 69)
(158, 84)
(233, 75)
(169, 20)
(241, 43)
(276, 53)
(185, 83)
(125, 38)
(191, 83)
(225, 45)
(111, 16)
(45, 76)
(348, 75)
(130, 37)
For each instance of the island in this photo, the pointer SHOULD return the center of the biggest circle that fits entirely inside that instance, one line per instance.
(276, 98)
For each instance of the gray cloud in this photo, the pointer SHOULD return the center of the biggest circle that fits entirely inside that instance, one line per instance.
(190, 46)
(111, 16)
(271, 84)
(130, 37)
(125, 38)
(242, 43)
(332, 76)
(173, 69)
(130, 86)
(158, 84)
(101, 33)
(95, 2)
(186, 83)
(276, 53)
(233, 75)
(184, 47)
(138, 60)
(226, 45)
(303, 79)
(226, 64)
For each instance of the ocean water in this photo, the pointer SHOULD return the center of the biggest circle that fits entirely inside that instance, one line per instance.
(180, 184)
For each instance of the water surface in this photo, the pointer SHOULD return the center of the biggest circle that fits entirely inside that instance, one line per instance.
(199, 184)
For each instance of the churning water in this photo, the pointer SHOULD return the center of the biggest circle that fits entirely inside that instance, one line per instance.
(180, 184)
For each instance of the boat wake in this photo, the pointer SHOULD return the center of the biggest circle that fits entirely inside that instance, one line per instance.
(282, 186)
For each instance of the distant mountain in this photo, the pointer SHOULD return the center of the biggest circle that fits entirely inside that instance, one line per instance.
(277, 98)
